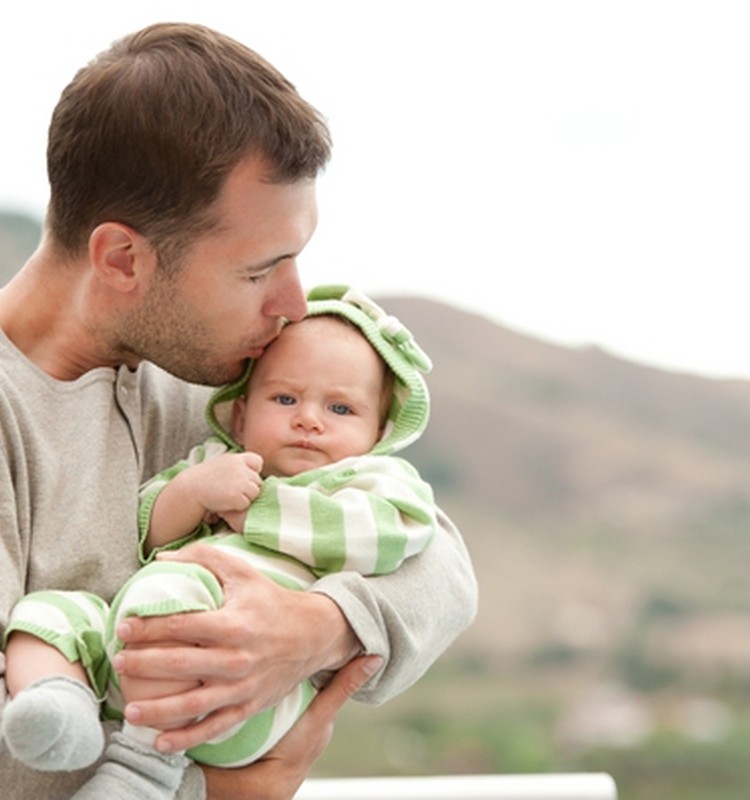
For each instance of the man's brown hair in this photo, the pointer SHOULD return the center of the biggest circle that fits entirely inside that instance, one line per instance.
(147, 133)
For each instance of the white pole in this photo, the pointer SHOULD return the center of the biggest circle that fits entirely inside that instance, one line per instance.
(593, 786)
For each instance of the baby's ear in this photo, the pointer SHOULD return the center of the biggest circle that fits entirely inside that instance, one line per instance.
(238, 419)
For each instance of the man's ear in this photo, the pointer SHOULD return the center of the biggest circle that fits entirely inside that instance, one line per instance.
(120, 256)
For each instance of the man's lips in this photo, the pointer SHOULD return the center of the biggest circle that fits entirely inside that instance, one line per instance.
(258, 350)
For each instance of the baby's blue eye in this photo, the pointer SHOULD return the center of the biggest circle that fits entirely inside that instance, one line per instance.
(340, 408)
(284, 399)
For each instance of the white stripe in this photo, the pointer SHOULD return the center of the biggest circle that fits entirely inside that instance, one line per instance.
(157, 588)
(362, 538)
(284, 568)
(43, 614)
(97, 617)
(295, 516)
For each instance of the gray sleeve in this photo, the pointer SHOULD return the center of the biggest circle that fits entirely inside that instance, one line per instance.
(21, 783)
(411, 615)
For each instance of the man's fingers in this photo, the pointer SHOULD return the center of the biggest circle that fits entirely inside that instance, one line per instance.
(345, 683)
(183, 709)
(188, 629)
(310, 736)
(318, 718)
(200, 731)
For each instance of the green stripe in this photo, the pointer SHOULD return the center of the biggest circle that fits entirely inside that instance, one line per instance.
(328, 533)
(263, 521)
(251, 737)
(80, 643)
(391, 540)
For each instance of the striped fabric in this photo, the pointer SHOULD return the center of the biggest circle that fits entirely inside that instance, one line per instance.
(366, 514)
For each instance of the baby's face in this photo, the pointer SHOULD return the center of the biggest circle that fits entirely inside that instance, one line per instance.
(313, 398)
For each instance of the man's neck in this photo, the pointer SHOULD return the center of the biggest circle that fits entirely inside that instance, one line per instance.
(43, 312)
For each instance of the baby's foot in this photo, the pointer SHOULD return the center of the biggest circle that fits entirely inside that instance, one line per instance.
(131, 769)
(54, 725)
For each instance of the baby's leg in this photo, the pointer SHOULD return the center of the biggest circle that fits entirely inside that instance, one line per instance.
(160, 589)
(132, 767)
(52, 721)
(29, 659)
(164, 588)
(134, 689)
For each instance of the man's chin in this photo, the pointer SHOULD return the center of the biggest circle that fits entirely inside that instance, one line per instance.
(216, 376)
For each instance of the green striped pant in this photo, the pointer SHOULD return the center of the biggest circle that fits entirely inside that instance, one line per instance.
(82, 627)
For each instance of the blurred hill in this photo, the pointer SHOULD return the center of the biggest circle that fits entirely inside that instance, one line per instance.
(588, 488)
(606, 505)
(19, 236)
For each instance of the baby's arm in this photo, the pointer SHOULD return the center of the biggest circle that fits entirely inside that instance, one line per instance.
(221, 485)
(366, 514)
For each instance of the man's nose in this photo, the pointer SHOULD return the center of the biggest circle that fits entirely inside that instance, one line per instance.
(287, 298)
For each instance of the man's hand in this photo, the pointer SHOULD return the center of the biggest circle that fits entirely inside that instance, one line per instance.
(246, 656)
(279, 774)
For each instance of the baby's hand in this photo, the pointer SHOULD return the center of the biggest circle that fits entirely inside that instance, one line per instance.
(235, 519)
(227, 483)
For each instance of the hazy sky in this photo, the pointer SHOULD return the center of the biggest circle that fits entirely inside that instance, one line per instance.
(576, 170)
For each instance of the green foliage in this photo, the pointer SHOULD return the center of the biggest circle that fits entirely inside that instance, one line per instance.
(669, 767)
(425, 740)
(472, 715)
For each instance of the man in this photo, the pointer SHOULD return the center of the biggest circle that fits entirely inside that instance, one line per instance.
(182, 171)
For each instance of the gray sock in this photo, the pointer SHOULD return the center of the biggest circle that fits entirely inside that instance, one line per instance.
(132, 770)
(53, 725)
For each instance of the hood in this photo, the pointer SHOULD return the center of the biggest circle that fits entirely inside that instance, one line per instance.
(410, 407)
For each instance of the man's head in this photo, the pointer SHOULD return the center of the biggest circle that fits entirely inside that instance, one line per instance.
(147, 133)
(182, 169)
